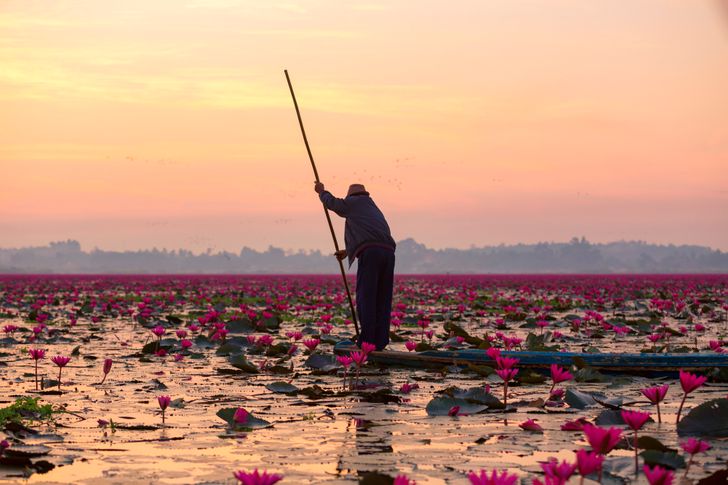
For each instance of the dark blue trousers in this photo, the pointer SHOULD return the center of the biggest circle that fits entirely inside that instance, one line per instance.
(374, 286)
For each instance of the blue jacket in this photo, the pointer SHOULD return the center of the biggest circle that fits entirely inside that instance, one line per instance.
(365, 224)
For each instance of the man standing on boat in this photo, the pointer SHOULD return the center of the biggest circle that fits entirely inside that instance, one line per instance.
(368, 239)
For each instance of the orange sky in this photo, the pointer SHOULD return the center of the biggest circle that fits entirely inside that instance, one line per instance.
(168, 123)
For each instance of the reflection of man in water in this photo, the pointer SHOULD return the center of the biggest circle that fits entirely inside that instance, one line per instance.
(368, 239)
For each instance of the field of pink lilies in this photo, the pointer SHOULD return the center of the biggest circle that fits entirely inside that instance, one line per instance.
(232, 379)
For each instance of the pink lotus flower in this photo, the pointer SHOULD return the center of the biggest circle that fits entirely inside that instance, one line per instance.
(689, 382)
(559, 374)
(257, 478)
(558, 472)
(588, 462)
(366, 347)
(507, 374)
(159, 331)
(61, 362)
(185, 344)
(658, 475)
(344, 361)
(602, 440)
(693, 447)
(241, 416)
(106, 369)
(407, 387)
(4, 445)
(656, 395)
(36, 355)
(181, 333)
(359, 358)
(164, 402)
(403, 480)
(506, 362)
(311, 344)
(635, 420)
(294, 335)
(531, 425)
(264, 341)
(576, 425)
(410, 345)
(493, 353)
(495, 478)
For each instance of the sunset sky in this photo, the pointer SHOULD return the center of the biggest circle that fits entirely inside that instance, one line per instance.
(168, 123)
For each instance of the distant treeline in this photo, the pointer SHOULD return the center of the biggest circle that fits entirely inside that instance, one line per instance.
(575, 256)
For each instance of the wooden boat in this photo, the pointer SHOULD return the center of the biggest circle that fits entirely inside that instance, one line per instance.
(609, 362)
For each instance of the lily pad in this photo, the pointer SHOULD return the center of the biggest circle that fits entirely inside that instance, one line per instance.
(226, 414)
(321, 362)
(582, 400)
(668, 459)
(240, 325)
(707, 419)
(478, 395)
(282, 387)
(441, 406)
(228, 348)
(240, 362)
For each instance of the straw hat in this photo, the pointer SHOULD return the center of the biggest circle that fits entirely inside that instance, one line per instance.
(356, 189)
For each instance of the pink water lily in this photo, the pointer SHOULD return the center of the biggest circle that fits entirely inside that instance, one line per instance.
(656, 395)
(588, 462)
(164, 402)
(506, 375)
(693, 447)
(658, 475)
(600, 439)
(366, 347)
(495, 478)
(403, 480)
(36, 355)
(106, 368)
(240, 416)
(635, 420)
(311, 344)
(257, 478)
(411, 346)
(558, 472)
(689, 382)
(576, 425)
(531, 425)
(61, 361)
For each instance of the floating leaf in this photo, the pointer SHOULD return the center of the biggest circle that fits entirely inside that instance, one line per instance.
(669, 459)
(252, 422)
(282, 387)
(228, 348)
(650, 443)
(441, 406)
(152, 347)
(478, 395)
(708, 419)
(240, 362)
(321, 362)
(240, 325)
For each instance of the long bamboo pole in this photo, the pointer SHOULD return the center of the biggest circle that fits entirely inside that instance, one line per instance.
(326, 210)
